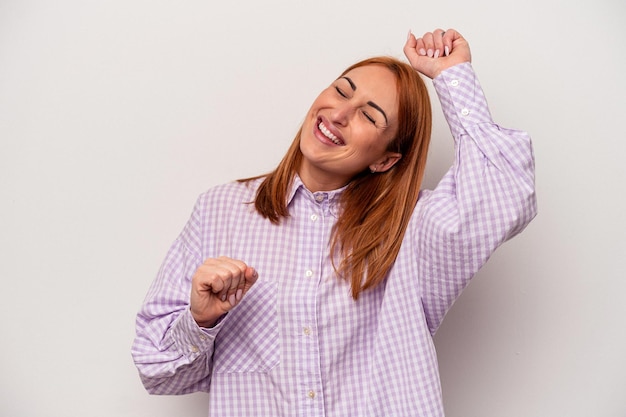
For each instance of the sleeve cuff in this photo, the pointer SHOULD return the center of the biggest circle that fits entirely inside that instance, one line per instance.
(462, 99)
(192, 340)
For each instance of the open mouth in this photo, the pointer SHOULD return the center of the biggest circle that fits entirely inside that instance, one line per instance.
(334, 139)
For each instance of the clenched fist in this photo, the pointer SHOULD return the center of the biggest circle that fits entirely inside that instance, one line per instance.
(436, 51)
(218, 285)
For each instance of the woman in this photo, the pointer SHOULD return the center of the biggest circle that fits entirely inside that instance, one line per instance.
(316, 289)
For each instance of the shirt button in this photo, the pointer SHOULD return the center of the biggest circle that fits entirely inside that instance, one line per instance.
(319, 198)
(203, 337)
(307, 331)
(314, 217)
(464, 112)
(309, 273)
(454, 83)
(311, 394)
(194, 349)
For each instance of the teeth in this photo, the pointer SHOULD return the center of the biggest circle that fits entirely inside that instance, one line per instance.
(329, 135)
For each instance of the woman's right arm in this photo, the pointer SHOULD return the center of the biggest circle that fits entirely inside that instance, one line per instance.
(179, 320)
(171, 351)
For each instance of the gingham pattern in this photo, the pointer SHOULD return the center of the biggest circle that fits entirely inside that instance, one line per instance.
(298, 345)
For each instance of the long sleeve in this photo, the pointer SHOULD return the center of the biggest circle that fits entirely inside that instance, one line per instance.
(172, 353)
(486, 198)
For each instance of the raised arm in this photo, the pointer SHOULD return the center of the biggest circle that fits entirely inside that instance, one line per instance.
(487, 196)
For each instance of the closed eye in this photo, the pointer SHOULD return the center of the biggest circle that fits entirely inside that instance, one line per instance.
(341, 93)
(370, 118)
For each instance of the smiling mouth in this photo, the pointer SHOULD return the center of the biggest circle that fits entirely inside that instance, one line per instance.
(334, 139)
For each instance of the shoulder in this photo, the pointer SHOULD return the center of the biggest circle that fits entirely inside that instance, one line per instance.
(229, 195)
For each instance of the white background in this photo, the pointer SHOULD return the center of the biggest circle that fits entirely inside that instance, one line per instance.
(115, 115)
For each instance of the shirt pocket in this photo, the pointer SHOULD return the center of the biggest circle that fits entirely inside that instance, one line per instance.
(249, 340)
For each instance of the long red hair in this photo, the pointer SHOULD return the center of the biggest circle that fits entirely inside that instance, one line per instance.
(376, 208)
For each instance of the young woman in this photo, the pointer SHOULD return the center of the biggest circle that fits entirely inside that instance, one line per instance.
(316, 289)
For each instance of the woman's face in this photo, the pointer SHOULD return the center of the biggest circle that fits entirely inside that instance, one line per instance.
(348, 128)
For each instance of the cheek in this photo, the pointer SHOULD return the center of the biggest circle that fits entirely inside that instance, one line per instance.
(373, 144)
(308, 125)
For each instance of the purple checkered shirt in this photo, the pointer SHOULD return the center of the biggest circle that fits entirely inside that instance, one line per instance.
(298, 344)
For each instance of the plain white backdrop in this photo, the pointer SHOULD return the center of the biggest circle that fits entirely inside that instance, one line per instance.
(115, 115)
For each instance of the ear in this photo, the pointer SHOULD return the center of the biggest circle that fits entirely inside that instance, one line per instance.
(385, 163)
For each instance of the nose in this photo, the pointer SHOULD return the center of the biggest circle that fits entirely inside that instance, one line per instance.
(342, 113)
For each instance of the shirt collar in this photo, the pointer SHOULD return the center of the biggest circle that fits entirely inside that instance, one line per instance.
(298, 186)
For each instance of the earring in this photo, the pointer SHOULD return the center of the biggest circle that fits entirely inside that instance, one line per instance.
(373, 170)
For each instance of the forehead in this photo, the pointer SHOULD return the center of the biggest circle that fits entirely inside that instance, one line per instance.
(378, 83)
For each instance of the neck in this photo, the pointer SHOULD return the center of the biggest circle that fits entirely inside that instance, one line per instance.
(315, 179)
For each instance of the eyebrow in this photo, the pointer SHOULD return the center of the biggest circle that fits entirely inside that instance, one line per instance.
(371, 103)
(377, 107)
(351, 83)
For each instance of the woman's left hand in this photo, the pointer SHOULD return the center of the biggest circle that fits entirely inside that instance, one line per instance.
(436, 51)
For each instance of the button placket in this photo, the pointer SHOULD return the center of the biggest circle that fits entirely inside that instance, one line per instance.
(316, 223)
